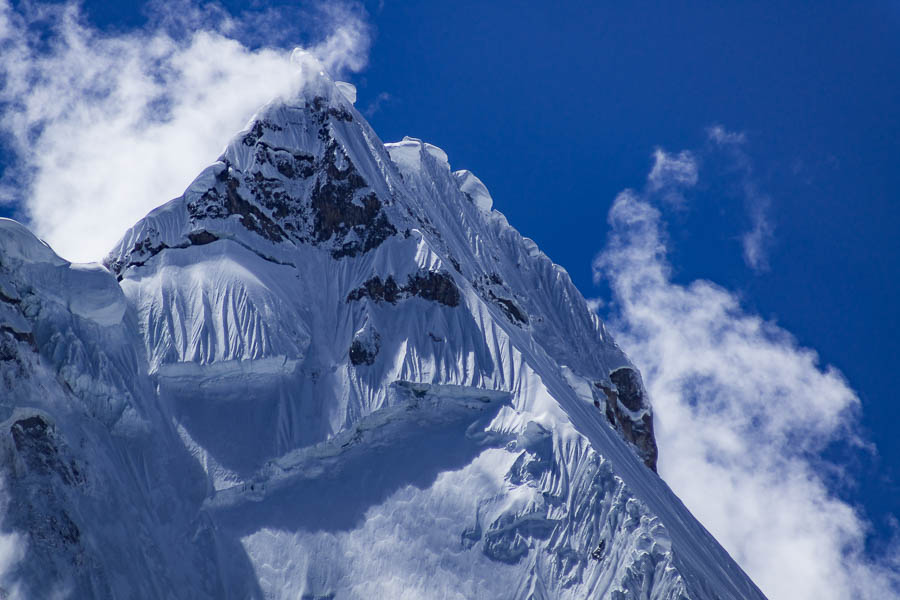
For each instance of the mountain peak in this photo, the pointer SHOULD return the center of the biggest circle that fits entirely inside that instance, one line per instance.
(308, 170)
(336, 370)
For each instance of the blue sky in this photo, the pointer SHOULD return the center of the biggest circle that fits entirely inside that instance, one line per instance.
(559, 108)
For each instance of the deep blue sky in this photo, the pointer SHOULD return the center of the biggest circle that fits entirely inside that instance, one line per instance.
(558, 106)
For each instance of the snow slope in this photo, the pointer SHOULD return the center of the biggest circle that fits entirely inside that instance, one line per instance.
(329, 370)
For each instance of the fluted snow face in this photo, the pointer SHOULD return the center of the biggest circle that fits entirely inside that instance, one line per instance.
(365, 383)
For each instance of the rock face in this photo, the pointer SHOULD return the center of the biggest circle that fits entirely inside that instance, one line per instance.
(429, 285)
(329, 370)
(628, 410)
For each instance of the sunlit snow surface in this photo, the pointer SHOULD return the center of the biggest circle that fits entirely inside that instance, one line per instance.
(329, 370)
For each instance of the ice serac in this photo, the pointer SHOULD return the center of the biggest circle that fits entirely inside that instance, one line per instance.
(351, 377)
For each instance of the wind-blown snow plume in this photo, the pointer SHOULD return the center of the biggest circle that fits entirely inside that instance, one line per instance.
(113, 125)
(743, 413)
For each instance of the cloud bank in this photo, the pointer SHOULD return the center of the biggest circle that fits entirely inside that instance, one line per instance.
(104, 127)
(743, 414)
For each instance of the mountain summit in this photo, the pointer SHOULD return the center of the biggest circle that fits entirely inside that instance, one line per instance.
(328, 370)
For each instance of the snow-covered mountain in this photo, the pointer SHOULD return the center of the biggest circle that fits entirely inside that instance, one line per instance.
(329, 370)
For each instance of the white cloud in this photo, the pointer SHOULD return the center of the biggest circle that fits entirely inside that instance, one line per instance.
(672, 170)
(742, 414)
(347, 46)
(106, 127)
(380, 100)
(720, 135)
(756, 242)
(595, 304)
(12, 551)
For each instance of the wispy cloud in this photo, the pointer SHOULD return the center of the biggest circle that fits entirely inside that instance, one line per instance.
(743, 414)
(672, 169)
(106, 126)
(757, 240)
(380, 100)
(720, 135)
(671, 174)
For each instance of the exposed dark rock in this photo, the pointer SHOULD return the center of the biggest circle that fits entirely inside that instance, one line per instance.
(145, 249)
(493, 289)
(270, 193)
(64, 529)
(365, 348)
(202, 237)
(257, 130)
(142, 251)
(293, 165)
(434, 286)
(36, 443)
(628, 385)
(223, 200)
(343, 212)
(471, 536)
(20, 336)
(597, 554)
(360, 355)
(610, 411)
(630, 395)
(513, 312)
(378, 290)
(455, 264)
(251, 216)
(323, 110)
(11, 353)
(428, 285)
(340, 212)
(9, 350)
(645, 439)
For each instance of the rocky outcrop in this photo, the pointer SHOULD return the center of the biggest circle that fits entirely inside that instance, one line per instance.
(628, 410)
(320, 199)
(493, 289)
(37, 445)
(365, 346)
(435, 286)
